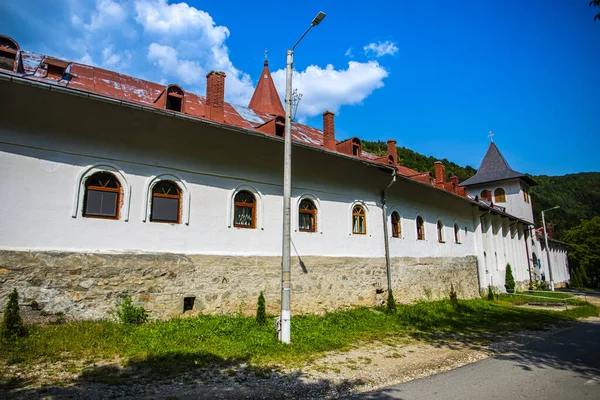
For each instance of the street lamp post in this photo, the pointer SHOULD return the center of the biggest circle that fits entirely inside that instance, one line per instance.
(547, 248)
(284, 332)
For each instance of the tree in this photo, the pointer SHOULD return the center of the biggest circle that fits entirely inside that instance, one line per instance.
(509, 280)
(391, 303)
(12, 324)
(595, 3)
(584, 250)
(261, 313)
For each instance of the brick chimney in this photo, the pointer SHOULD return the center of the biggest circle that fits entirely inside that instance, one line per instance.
(454, 179)
(328, 130)
(440, 172)
(392, 152)
(215, 96)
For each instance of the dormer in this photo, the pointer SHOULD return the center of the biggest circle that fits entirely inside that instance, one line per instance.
(175, 98)
(351, 147)
(55, 68)
(9, 50)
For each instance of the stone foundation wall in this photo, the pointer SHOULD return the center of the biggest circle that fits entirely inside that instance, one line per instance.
(84, 285)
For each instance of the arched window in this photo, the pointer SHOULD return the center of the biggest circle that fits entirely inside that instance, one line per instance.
(175, 98)
(396, 226)
(307, 216)
(440, 231)
(420, 228)
(102, 196)
(456, 233)
(359, 220)
(525, 195)
(166, 202)
(486, 195)
(244, 210)
(8, 53)
(499, 195)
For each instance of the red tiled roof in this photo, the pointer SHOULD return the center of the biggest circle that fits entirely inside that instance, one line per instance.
(265, 107)
(265, 98)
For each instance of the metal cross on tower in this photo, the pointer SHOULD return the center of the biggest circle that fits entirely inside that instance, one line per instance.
(266, 53)
(491, 136)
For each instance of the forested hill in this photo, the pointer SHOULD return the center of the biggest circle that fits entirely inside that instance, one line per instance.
(578, 195)
(419, 162)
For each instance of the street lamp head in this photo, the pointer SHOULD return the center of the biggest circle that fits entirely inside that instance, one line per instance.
(320, 17)
(553, 208)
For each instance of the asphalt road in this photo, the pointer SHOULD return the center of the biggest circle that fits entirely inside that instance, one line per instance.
(565, 366)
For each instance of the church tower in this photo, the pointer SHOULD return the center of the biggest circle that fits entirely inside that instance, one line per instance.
(265, 98)
(498, 183)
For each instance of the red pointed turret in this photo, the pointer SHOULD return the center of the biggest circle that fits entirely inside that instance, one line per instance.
(265, 98)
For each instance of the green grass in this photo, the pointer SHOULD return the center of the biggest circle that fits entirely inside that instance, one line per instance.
(541, 296)
(181, 345)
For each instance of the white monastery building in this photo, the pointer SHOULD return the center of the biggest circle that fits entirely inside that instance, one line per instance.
(113, 184)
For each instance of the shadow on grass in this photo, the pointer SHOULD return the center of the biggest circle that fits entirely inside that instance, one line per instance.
(190, 376)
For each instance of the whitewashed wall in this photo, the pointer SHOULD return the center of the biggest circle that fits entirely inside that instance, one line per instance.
(46, 158)
(515, 203)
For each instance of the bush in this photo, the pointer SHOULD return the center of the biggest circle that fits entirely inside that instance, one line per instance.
(509, 281)
(391, 303)
(453, 296)
(128, 313)
(261, 312)
(12, 324)
(491, 296)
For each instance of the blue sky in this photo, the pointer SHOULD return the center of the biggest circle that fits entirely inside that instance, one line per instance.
(437, 76)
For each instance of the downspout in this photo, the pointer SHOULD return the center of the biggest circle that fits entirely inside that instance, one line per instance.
(525, 236)
(386, 240)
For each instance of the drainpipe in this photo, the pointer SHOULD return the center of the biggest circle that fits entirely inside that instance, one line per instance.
(386, 240)
(525, 236)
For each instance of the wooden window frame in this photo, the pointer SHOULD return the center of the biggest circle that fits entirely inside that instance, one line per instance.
(457, 234)
(245, 205)
(440, 231)
(396, 233)
(359, 215)
(103, 189)
(312, 212)
(166, 196)
(420, 228)
(500, 198)
(486, 195)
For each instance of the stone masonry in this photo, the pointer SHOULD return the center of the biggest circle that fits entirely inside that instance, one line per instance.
(87, 285)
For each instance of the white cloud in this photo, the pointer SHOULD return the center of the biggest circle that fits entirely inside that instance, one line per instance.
(166, 57)
(107, 14)
(113, 60)
(86, 59)
(381, 49)
(329, 89)
(180, 19)
(349, 52)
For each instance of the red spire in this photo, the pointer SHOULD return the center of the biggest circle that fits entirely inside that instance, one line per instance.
(265, 98)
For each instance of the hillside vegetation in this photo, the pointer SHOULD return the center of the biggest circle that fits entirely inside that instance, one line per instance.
(578, 195)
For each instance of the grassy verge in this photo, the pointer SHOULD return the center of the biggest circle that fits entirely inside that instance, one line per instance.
(541, 296)
(170, 347)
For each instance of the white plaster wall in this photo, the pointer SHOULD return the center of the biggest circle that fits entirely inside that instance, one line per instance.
(515, 203)
(503, 244)
(411, 200)
(37, 215)
(42, 158)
